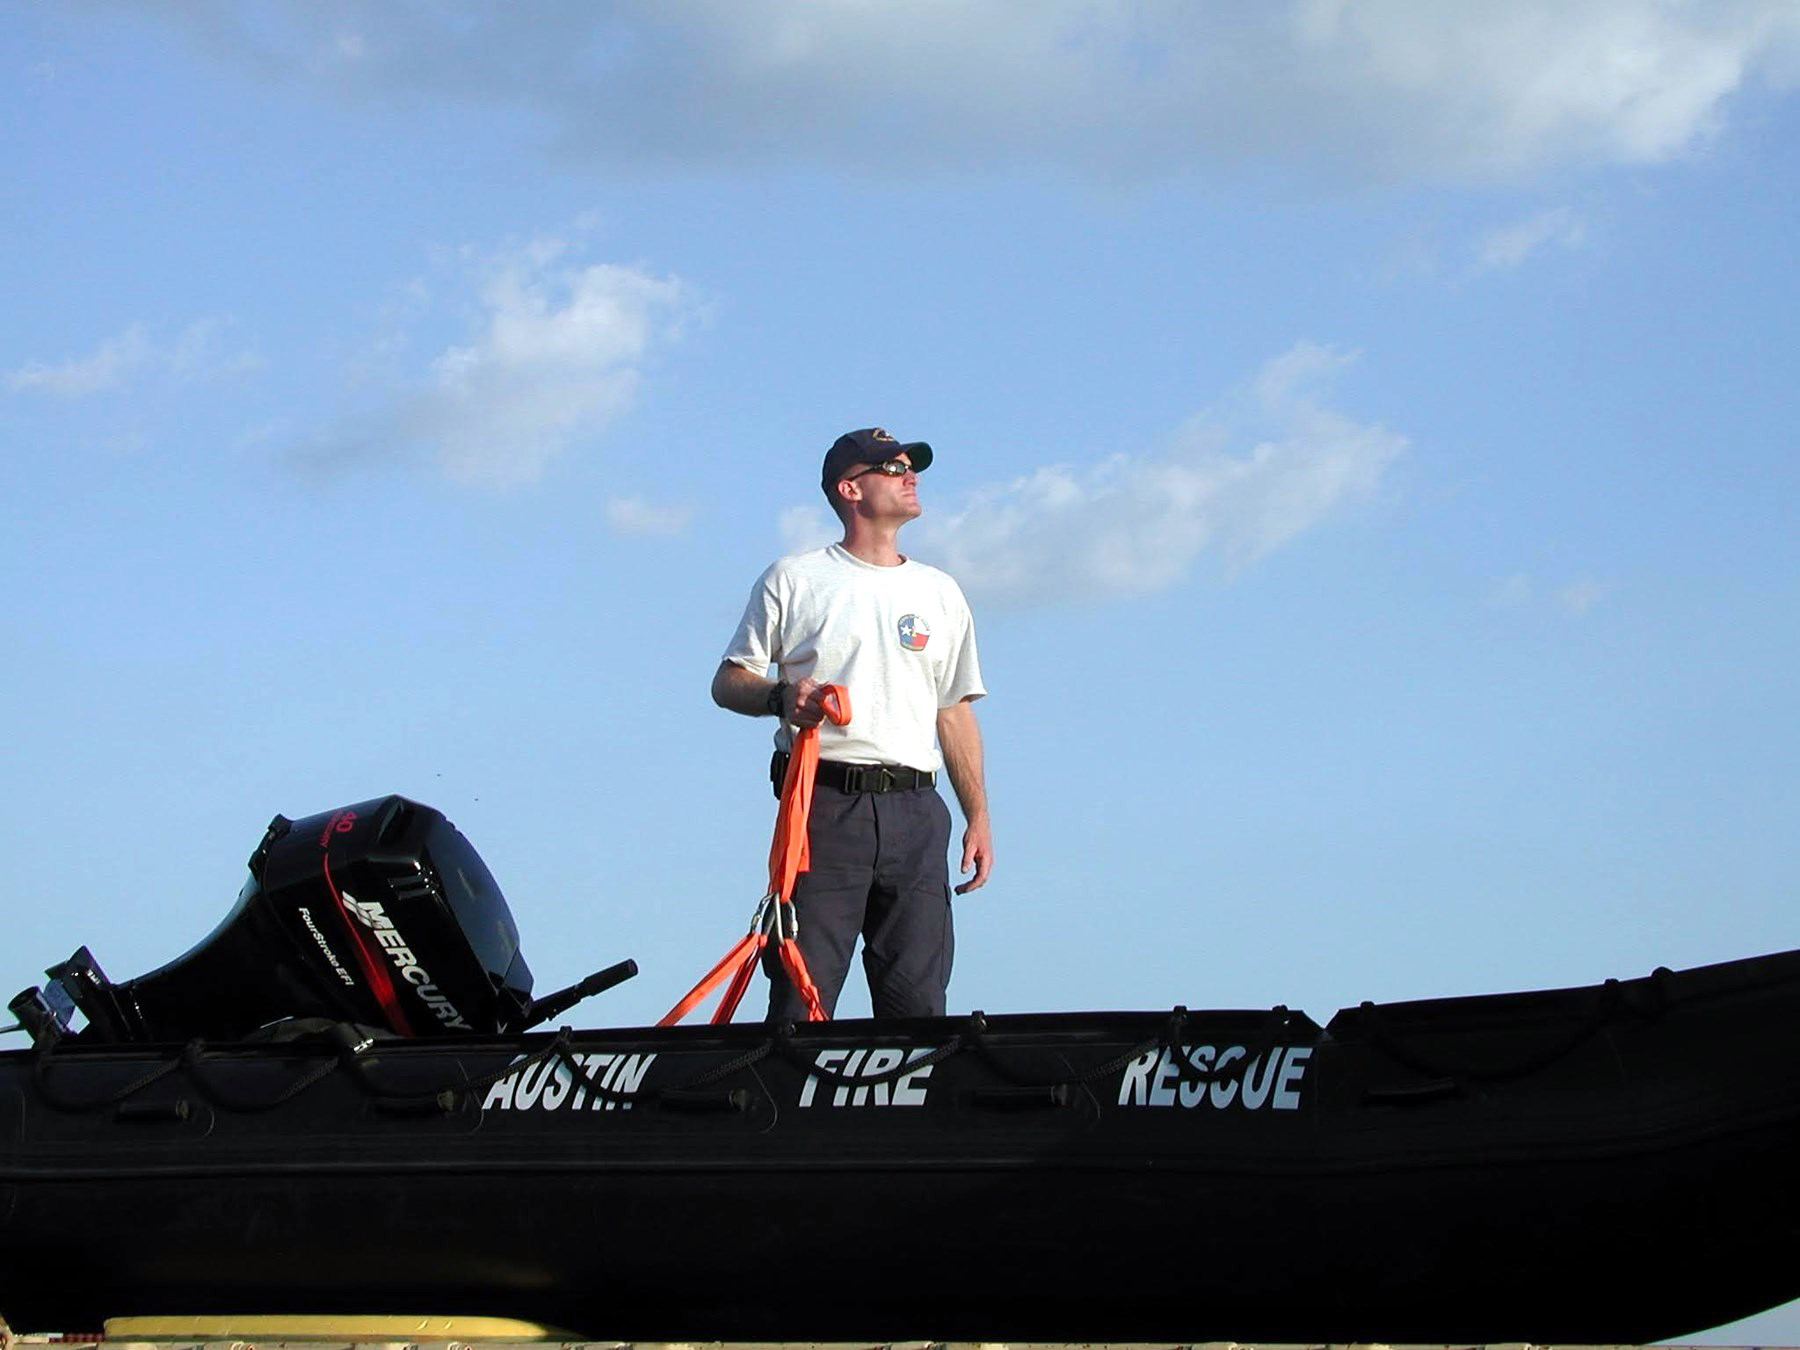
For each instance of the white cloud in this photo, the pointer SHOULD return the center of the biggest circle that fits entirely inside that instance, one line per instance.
(197, 352)
(1132, 524)
(634, 515)
(1114, 88)
(1581, 596)
(807, 527)
(1577, 597)
(1538, 82)
(555, 355)
(107, 367)
(1511, 245)
(1513, 593)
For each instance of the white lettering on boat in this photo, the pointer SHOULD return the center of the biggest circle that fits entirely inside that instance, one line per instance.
(372, 916)
(906, 1090)
(550, 1085)
(324, 946)
(1271, 1078)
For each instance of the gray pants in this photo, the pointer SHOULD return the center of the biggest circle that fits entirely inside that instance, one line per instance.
(879, 871)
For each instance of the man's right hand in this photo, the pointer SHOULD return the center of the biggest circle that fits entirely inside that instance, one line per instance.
(802, 702)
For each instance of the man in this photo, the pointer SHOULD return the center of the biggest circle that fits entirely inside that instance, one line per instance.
(898, 636)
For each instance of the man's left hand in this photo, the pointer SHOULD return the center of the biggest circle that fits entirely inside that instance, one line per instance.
(978, 854)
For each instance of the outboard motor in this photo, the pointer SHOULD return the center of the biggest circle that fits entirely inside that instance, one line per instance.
(380, 914)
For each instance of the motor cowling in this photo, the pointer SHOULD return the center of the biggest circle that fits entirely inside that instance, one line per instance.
(381, 914)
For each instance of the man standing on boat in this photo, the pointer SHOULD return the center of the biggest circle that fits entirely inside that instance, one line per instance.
(898, 636)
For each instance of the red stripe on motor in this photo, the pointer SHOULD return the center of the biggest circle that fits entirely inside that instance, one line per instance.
(376, 973)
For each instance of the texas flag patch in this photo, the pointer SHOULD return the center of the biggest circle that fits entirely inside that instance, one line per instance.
(914, 633)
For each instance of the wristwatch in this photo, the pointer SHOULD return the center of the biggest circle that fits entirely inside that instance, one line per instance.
(777, 702)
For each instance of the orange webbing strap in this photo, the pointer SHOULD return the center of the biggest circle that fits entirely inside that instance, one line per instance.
(788, 856)
(746, 971)
(788, 852)
(795, 966)
(739, 963)
(787, 859)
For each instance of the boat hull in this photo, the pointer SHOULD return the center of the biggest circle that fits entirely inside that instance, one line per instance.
(1603, 1165)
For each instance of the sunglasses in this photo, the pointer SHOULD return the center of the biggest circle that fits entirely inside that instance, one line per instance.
(888, 468)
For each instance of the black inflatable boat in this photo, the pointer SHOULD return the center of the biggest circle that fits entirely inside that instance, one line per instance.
(337, 1104)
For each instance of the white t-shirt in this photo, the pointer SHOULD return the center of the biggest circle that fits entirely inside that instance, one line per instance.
(899, 639)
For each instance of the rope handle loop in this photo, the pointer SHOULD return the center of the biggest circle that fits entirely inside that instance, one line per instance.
(834, 702)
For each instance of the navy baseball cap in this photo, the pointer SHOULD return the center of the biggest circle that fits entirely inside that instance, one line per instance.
(870, 446)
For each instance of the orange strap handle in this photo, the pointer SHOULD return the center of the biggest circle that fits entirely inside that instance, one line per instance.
(788, 854)
(795, 966)
(788, 857)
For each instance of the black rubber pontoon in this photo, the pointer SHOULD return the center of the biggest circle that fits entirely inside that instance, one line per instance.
(1607, 1164)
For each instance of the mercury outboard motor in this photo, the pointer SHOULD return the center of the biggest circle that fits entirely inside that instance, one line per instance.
(380, 914)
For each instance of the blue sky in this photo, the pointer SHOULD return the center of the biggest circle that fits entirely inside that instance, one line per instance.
(1364, 433)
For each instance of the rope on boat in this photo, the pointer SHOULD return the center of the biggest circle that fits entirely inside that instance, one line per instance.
(1169, 1039)
(1611, 1000)
(352, 1043)
(581, 1074)
(1648, 1001)
(784, 1045)
(1277, 1021)
(40, 1074)
(194, 1055)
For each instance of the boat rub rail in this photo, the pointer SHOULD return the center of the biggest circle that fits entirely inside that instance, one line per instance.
(349, 1044)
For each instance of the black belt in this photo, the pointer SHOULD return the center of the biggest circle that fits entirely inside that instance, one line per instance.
(857, 777)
